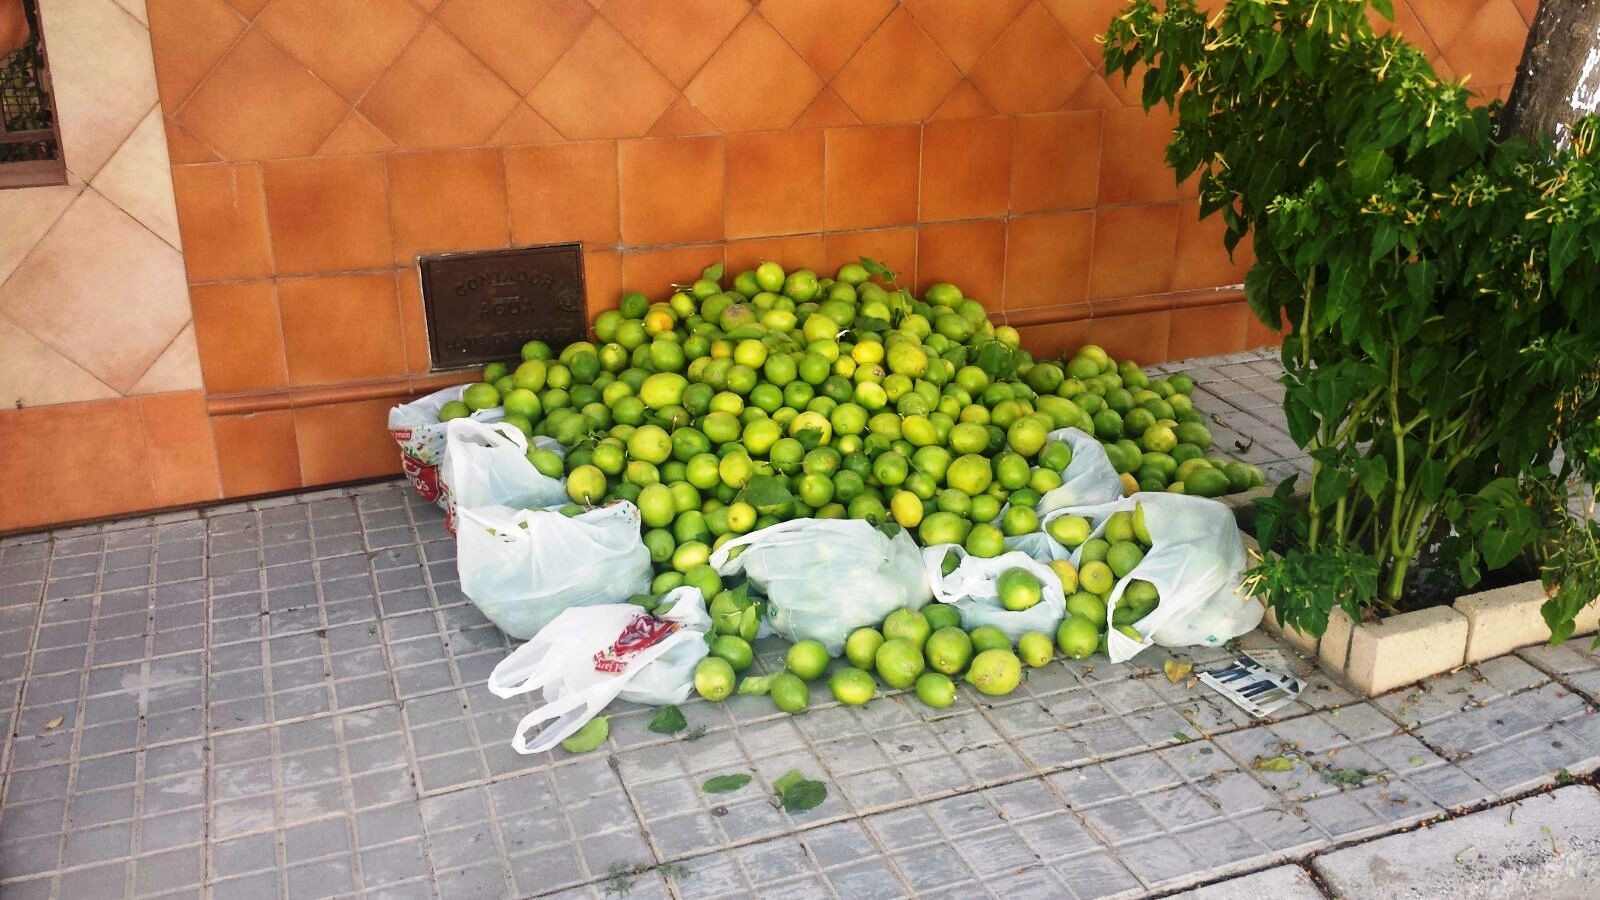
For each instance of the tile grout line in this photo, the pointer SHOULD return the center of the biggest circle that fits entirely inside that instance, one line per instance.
(22, 689)
(438, 617)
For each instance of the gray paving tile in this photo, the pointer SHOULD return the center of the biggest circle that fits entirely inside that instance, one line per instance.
(1548, 839)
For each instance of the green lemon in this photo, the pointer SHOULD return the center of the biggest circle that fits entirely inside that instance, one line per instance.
(861, 647)
(789, 693)
(850, 686)
(1019, 589)
(989, 637)
(941, 615)
(936, 689)
(807, 659)
(1078, 637)
(949, 650)
(1035, 649)
(995, 672)
(898, 662)
(907, 624)
(736, 650)
(713, 678)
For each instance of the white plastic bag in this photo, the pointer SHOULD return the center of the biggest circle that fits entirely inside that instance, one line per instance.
(415, 426)
(487, 465)
(1088, 480)
(972, 589)
(522, 567)
(824, 578)
(588, 656)
(1195, 561)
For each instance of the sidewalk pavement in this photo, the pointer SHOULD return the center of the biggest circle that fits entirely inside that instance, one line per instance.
(284, 698)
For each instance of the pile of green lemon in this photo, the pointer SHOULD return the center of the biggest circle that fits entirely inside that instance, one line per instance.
(725, 409)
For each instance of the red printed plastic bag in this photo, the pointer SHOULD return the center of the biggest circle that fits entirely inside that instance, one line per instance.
(415, 426)
(590, 655)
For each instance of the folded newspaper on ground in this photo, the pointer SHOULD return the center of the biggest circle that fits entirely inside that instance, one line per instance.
(1253, 687)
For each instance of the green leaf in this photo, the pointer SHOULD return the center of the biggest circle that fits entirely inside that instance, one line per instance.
(1350, 777)
(1467, 565)
(993, 358)
(1431, 476)
(1306, 50)
(802, 794)
(723, 784)
(1384, 239)
(1385, 8)
(759, 685)
(768, 494)
(1498, 546)
(1368, 169)
(1276, 55)
(809, 438)
(712, 272)
(874, 267)
(1563, 250)
(1373, 475)
(669, 720)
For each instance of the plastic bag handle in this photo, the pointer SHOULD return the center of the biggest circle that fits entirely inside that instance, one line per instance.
(570, 714)
(573, 710)
(544, 665)
(719, 557)
(484, 433)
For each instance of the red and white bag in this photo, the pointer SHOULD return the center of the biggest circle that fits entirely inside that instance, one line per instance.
(415, 426)
(590, 655)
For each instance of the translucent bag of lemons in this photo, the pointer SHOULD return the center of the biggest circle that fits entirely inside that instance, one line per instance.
(523, 567)
(1195, 561)
(824, 578)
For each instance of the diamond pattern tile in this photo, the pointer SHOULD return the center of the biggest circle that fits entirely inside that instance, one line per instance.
(873, 85)
(347, 45)
(678, 37)
(226, 110)
(755, 82)
(965, 31)
(1033, 67)
(467, 100)
(602, 71)
(519, 39)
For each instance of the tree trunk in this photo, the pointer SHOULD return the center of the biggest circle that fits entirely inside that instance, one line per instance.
(1558, 79)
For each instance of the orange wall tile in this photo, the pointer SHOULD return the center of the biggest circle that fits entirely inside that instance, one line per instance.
(183, 456)
(672, 190)
(341, 328)
(447, 200)
(346, 441)
(240, 336)
(222, 213)
(966, 166)
(563, 192)
(330, 214)
(971, 255)
(774, 183)
(318, 148)
(871, 176)
(74, 461)
(256, 453)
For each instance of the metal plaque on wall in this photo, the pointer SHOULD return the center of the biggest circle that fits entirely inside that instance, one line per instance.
(482, 306)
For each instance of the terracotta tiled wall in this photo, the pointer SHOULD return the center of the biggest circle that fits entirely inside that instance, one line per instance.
(319, 145)
(101, 407)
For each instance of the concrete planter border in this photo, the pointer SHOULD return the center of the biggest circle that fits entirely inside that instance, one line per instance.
(1379, 657)
(1402, 649)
